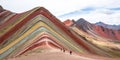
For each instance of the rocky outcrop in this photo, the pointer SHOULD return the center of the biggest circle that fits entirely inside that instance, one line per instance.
(107, 33)
(68, 22)
(83, 24)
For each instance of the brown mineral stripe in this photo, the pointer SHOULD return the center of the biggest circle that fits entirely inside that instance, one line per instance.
(9, 21)
(46, 13)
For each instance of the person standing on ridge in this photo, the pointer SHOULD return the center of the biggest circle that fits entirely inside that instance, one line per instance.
(63, 50)
(70, 52)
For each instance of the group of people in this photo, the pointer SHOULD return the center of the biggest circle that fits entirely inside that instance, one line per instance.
(64, 51)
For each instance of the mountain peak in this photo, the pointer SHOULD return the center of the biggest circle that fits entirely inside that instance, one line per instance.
(101, 23)
(68, 22)
(82, 21)
(114, 27)
(1, 8)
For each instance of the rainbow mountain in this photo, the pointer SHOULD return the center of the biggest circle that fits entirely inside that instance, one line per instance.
(30, 30)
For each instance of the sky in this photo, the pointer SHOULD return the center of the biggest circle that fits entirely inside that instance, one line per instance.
(107, 11)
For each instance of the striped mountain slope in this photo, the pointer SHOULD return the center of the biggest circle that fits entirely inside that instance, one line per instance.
(105, 41)
(20, 33)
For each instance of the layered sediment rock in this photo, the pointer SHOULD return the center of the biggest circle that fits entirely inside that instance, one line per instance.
(104, 41)
(20, 33)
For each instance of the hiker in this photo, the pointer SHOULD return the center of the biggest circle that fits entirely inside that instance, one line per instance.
(63, 50)
(70, 52)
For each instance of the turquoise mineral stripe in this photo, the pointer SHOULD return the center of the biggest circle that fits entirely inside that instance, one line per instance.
(27, 38)
(21, 31)
(33, 21)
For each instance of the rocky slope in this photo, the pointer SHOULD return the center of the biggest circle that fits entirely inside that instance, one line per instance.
(97, 29)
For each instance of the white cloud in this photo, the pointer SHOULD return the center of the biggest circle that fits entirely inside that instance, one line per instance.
(59, 7)
(104, 15)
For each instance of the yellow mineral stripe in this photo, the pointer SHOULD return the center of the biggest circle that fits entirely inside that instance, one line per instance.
(37, 25)
(20, 38)
(7, 28)
(8, 17)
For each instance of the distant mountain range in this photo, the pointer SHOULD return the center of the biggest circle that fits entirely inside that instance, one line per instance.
(104, 30)
(114, 27)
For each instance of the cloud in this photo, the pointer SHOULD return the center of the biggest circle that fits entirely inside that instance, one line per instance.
(88, 9)
(105, 15)
(93, 10)
(117, 8)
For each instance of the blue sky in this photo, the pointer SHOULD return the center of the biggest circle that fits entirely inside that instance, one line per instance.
(107, 11)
